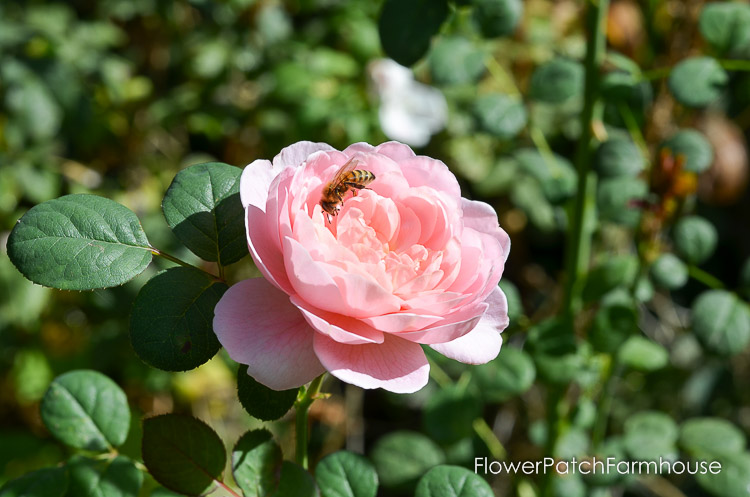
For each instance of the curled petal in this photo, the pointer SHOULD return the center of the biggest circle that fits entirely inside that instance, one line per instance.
(395, 150)
(481, 344)
(259, 327)
(343, 329)
(396, 365)
(483, 218)
(294, 155)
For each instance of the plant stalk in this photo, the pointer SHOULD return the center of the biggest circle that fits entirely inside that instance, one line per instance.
(578, 245)
(302, 405)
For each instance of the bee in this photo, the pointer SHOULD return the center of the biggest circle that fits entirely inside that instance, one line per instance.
(346, 178)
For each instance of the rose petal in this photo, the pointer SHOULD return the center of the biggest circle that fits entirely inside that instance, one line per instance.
(400, 321)
(395, 150)
(424, 171)
(482, 344)
(330, 288)
(343, 329)
(294, 155)
(396, 365)
(267, 256)
(254, 183)
(450, 328)
(259, 327)
(483, 218)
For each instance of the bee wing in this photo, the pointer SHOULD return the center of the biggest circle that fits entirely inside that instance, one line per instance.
(340, 175)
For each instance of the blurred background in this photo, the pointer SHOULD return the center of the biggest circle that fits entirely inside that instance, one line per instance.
(113, 97)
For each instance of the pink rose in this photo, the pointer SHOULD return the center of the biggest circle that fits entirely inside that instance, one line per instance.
(406, 262)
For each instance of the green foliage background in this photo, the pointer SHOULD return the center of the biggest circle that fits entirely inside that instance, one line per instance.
(114, 97)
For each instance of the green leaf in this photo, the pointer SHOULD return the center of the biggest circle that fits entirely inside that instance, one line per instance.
(79, 242)
(694, 147)
(449, 413)
(294, 481)
(557, 81)
(695, 238)
(732, 480)
(497, 17)
(118, 477)
(726, 27)
(256, 462)
(86, 410)
(616, 197)
(260, 401)
(570, 485)
(33, 106)
(454, 60)
(613, 324)
(618, 157)
(46, 482)
(402, 457)
(612, 447)
(556, 354)
(721, 321)
(203, 208)
(618, 270)
(642, 354)
(182, 453)
(163, 492)
(574, 442)
(510, 374)
(698, 81)
(708, 437)
(346, 474)
(406, 27)
(171, 324)
(513, 296)
(555, 173)
(452, 481)
(669, 272)
(623, 93)
(500, 115)
(650, 435)
(527, 194)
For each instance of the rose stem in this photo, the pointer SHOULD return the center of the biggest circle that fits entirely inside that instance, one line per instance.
(305, 399)
(578, 243)
(578, 246)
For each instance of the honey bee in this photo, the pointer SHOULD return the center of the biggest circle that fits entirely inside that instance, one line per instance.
(346, 178)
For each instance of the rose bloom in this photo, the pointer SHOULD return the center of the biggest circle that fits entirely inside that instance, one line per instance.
(406, 262)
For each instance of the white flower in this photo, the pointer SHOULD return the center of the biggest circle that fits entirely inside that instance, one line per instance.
(410, 112)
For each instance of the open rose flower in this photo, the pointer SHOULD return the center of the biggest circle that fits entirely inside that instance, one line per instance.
(406, 262)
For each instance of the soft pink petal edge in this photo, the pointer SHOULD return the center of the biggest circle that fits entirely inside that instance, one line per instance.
(297, 153)
(481, 344)
(258, 326)
(483, 218)
(395, 365)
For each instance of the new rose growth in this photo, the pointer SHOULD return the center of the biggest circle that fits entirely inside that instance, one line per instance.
(406, 262)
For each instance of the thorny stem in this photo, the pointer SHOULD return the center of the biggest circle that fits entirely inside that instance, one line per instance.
(579, 241)
(174, 259)
(305, 398)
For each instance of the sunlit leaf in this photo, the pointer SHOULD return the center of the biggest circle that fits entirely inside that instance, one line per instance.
(79, 242)
(86, 410)
(346, 474)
